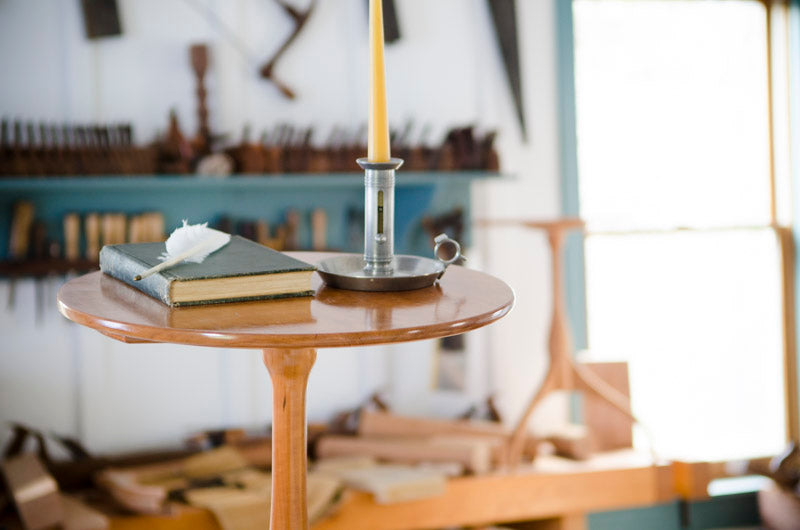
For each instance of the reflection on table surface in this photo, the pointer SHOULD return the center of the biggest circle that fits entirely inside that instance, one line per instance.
(462, 300)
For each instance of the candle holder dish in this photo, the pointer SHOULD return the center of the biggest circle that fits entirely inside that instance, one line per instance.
(379, 269)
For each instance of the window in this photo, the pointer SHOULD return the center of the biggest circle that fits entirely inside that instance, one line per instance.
(683, 263)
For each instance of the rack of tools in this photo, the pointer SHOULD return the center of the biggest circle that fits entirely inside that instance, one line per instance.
(289, 149)
(57, 224)
(27, 148)
(31, 149)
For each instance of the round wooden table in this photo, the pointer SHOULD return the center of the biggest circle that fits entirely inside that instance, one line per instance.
(289, 331)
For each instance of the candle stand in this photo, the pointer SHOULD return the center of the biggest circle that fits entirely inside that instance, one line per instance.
(379, 269)
(564, 372)
(289, 331)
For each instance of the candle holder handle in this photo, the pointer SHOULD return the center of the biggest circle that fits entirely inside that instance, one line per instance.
(440, 242)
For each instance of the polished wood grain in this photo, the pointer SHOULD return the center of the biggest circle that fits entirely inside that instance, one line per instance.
(289, 371)
(462, 300)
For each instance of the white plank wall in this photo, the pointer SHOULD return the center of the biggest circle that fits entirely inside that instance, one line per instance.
(445, 71)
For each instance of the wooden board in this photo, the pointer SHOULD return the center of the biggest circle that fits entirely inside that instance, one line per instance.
(474, 455)
(377, 423)
(488, 499)
(181, 518)
(609, 428)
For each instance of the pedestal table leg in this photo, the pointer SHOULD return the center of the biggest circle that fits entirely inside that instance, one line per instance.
(289, 369)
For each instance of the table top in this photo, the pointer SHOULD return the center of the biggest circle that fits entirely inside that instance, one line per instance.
(462, 300)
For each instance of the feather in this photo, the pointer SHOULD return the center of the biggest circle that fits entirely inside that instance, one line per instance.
(189, 236)
(189, 243)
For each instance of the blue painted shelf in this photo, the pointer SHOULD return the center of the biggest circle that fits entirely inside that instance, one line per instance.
(239, 182)
(246, 198)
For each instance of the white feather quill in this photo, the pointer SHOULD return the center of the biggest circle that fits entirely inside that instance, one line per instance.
(189, 243)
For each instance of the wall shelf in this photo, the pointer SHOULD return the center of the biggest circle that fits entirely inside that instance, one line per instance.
(246, 198)
(237, 182)
(40, 268)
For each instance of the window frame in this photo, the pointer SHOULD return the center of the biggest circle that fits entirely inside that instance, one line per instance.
(788, 235)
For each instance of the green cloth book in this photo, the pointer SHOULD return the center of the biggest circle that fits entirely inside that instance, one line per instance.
(241, 270)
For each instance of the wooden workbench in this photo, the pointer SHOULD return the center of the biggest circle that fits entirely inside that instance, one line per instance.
(558, 491)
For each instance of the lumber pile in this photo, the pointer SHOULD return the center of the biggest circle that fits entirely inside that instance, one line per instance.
(476, 446)
(392, 457)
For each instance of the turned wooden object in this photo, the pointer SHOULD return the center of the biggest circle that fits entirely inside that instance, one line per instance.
(289, 371)
(198, 54)
(91, 225)
(72, 236)
(564, 373)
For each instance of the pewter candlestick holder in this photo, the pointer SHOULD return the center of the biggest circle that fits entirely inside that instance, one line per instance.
(379, 269)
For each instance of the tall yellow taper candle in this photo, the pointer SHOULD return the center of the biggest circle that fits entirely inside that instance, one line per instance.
(378, 142)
